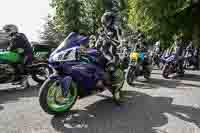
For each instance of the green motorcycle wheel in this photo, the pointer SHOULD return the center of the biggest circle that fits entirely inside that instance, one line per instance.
(51, 99)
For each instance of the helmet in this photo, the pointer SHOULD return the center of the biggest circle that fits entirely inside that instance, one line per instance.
(92, 37)
(107, 18)
(10, 28)
(141, 35)
(115, 5)
(157, 44)
(100, 30)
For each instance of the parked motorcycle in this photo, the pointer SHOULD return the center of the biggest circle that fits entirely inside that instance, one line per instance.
(41, 52)
(138, 66)
(156, 60)
(190, 59)
(39, 72)
(170, 66)
(75, 77)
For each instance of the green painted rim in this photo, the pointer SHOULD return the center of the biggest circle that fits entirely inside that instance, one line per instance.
(55, 92)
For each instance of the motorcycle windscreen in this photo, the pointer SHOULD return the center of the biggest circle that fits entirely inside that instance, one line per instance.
(10, 57)
(72, 40)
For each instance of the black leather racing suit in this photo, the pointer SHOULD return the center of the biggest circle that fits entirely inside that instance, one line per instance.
(20, 41)
(179, 51)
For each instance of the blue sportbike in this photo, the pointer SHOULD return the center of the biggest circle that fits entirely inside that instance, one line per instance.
(170, 65)
(77, 75)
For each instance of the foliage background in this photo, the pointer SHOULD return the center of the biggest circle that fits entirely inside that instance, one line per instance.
(158, 19)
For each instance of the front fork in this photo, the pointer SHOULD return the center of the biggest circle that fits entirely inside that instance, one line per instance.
(64, 81)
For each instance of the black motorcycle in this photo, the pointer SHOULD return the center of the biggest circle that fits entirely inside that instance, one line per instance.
(190, 59)
(139, 66)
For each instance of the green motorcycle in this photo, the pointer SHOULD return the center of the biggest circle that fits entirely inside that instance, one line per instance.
(39, 71)
(41, 52)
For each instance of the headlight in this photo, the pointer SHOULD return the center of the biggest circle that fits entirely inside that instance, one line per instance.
(56, 57)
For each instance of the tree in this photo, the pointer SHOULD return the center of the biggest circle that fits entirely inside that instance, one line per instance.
(58, 17)
(69, 16)
(74, 16)
(196, 22)
(94, 9)
(162, 19)
(81, 15)
(50, 33)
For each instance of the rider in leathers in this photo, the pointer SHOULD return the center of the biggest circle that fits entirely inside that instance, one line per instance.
(179, 52)
(19, 43)
(141, 46)
(111, 34)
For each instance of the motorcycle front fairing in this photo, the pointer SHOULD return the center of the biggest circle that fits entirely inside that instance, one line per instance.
(65, 58)
(71, 41)
(85, 75)
(171, 58)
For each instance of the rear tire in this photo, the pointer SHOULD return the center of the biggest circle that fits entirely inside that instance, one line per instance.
(37, 71)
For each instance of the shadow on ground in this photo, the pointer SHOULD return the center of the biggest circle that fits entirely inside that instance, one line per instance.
(155, 83)
(190, 85)
(191, 77)
(139, 114)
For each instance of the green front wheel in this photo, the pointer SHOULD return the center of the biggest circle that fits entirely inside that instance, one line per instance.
(52, 100)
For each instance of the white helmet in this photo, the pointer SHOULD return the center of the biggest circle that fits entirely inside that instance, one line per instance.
(157, 43)
(10, 28)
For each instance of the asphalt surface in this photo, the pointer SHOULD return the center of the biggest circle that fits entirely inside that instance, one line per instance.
(157, 106)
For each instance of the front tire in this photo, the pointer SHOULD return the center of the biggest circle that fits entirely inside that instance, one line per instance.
(166, 71)
(51, 99)
(131, 75)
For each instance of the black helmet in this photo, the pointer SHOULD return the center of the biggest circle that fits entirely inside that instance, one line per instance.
(10, 28)
(115, 5)
(107, 18)
(141, 35)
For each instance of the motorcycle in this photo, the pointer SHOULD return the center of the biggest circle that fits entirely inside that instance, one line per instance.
(138, 66)
(190, 59)
(156, 60)
(41, 52)
(170, 66)
(76, 77)
(8, 61)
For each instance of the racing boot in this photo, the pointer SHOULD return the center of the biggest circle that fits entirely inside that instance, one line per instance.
(24, 83)
(17, 80)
